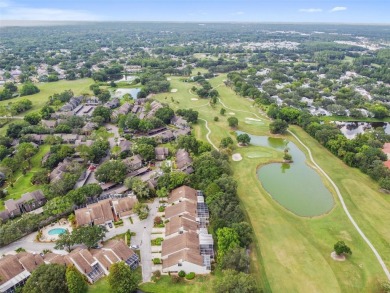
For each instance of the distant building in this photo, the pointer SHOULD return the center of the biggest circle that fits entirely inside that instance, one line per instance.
(99, 213)
(161, 153)
(28, 202)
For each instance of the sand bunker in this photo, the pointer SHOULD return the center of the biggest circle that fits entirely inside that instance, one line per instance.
(253, 121)
(236, 157)
(173, 90)
(232, 113)
(337, 257)
(169, 78)
(253, 155)
(194, 99)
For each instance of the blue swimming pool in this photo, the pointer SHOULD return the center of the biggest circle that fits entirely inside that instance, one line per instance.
(56, 231)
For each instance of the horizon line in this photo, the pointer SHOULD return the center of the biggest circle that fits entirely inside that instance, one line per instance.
(4, 21)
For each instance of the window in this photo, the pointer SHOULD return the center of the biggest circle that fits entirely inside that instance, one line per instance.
(179, 264)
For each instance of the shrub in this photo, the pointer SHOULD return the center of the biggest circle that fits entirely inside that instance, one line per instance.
(216, 118)
(161, 209)
(175, 279)
(157, 220)
(157, 241)
(182, 274)
(190, 276)
(156, 261)
(118, 223)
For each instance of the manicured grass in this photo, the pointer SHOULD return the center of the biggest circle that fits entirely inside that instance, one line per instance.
(198, 285)
(22, 182)
(78, 87)
(346, 118)
(291, 253)
(101, 286)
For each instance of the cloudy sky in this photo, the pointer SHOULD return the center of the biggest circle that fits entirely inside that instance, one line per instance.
(346, 11)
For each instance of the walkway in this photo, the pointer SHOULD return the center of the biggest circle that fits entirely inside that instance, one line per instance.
(208, 133)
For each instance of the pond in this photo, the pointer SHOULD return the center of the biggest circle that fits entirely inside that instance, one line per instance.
(295, 186)
(352, 128)
(120, 92)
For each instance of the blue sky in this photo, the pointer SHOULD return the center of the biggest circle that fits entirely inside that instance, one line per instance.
(346, 11)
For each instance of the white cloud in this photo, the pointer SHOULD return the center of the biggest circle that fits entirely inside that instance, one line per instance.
(310, 10)
(4, 3)
(13, 12)
(338, 8)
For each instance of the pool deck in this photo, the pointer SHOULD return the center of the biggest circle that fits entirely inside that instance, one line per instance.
(61, 224)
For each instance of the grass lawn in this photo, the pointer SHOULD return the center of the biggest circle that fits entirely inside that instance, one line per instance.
(291, 253)
(38, 100)
(346, 118)
(23, 182)
(198, 285)
(100, 286)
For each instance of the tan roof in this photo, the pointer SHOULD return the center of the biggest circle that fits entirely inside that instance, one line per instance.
(183, 193)
(119, 248)
(82, 258)
(98, 213)
(184, 207)
(106, 258)
(191, 256)
(125, 204)
(186, 241)
(30, 261)
(177, 223)
(9, 268)
(55, 258)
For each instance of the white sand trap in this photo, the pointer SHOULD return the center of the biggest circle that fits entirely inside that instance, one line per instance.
(337, 257)
(232, 113)
(236, 157)
(194, 99)
(173, 90)
(252, 119)
(169, 78)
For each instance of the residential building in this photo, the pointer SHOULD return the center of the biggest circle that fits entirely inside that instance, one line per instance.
(184, 161)
(179, 122)
(99, 213)
(183, 193)
(161, 153)
(28, 202)
(133, 163)
(123, 207)
(49, 123)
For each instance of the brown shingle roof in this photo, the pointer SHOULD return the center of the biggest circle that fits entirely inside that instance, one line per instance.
(125, 204)
(184, 207)
(9, 268)
(186, 241)
(82, 258)
(183, 193)
(119, 248)
(191, 256)
(55, 258)
(184, 223)
(30, 261)
(98, 213)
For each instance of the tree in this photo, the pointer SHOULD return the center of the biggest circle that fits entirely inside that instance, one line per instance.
(222, 111)
(47, 278)
(227, 239)
(122, 279)
(234, 282)
(89, 235)
(57, 205)
(189, 143)
(278, 126)
(245, 233)
(226, 142)
(165, 114)
(75, 280)
(32, 118)
(98, 150)
(65, 241)
(29, 89)
(40, 177)
(233, 122)
(379, 111)
(145, 150)
(46, 112)
(235, 259)
(341, 248)
(139, 187)
(104, 112)
(243, 138)
(111, 171)
(104, 96)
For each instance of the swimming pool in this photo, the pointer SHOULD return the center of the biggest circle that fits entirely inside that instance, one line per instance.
(56, 231)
